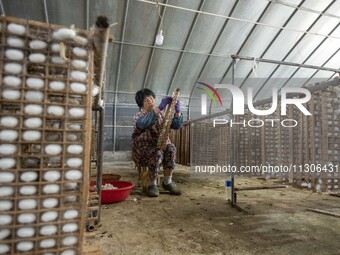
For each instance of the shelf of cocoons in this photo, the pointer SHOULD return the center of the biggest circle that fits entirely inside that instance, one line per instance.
(46, 73)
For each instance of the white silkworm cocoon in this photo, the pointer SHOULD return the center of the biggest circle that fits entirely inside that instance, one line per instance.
(68, 252)
(13, 68)
(28, 190)
(35, 83)
(66, 33)
(50, 202)
(95, 90)
(74, 162)
(71, 137)
(7, 149)
(26, 218)
(6, 191)
(80, 40)
(70, 227)
(7, 163)
(4, 233)
(79, 64)
(80, 52)
(53, 149)
(16, 29)
(25, 246)
(33, 122)
(51, 188)
(78, 87)
(49, 216)
(70, 240)
(6, 205)
(71, 214)
(37, 58)
(27, 204)
(77, 112)
(4, 248)
(47, 243)
(25, 232)
(31, 135)
(74, 126)
(35, 96)
(75, 149)
(8, 135)
(77, 75)
(5, 219)
(12, 81)
(8, 121)
(15, 42)
(56, 85)
(37, 45)
(57, 36)
(29, 176)
(11, 94)
(33, 109)
(55, 47)
(52, 176)
(14, 54)
(48, 230)
(55, 110)
(58, 60)
(73, 175)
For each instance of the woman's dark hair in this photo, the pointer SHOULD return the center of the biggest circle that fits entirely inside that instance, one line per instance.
(141, 94)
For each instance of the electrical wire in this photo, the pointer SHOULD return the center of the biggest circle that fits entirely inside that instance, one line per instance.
(241, 20)
(304, 9)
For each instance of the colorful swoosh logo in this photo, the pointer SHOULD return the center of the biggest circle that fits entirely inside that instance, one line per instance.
(212, 95)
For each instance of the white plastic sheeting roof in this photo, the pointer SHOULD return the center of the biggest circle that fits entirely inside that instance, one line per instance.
(199, 38)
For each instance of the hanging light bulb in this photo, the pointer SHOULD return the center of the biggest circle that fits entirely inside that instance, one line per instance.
(160, 38)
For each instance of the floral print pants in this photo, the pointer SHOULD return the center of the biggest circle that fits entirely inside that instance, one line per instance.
(152, 158)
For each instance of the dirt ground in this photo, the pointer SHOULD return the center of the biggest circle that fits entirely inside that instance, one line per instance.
(275, 221)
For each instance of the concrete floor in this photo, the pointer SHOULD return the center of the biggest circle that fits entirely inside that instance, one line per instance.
(275, 221)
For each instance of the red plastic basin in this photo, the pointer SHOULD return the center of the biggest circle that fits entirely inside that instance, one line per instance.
(115, 195)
